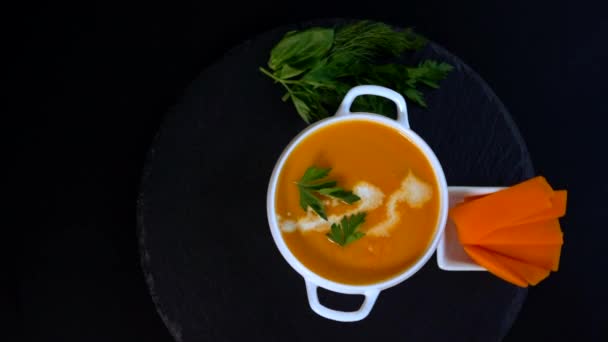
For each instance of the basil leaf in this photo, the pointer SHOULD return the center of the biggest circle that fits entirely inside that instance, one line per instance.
(303, 49)
(287, 72)
(302, 108)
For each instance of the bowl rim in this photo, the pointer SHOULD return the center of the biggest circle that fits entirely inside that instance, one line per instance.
(309, 275)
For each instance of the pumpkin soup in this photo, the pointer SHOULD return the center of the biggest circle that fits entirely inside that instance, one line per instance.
(391, 214)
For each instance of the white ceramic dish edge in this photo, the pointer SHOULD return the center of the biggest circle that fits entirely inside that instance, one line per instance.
(450, 253)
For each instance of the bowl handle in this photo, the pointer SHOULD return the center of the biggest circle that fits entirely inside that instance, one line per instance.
(341, 316)
(390, 94)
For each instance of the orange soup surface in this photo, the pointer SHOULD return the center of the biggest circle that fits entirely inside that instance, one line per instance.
(399, 194)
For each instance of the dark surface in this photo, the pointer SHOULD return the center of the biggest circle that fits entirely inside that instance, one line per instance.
(95, 80)
(204, 235)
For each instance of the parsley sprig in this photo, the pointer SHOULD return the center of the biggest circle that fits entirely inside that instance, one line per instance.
(346, 232)
(313, 182)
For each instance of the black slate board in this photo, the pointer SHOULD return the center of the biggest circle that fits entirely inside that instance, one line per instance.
(213, 270)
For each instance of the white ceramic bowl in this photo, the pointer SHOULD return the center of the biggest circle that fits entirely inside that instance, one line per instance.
(371, 291)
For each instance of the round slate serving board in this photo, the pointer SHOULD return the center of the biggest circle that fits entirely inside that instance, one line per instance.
(213, 270)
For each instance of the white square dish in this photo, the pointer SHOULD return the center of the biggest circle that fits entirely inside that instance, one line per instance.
(450, 253)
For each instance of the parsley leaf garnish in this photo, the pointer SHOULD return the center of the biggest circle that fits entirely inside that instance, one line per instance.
(313, 182)
(346, 232)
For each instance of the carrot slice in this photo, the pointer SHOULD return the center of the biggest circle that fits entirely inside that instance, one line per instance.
(531, 273)
(491, 263)
(545, 256)
(558, 208)
(480, 217)
(538, 233)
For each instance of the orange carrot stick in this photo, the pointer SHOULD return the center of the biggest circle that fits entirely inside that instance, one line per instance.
(538, 233)
(531, 273)
(489, 262)
(545, 256)
(480, 217)
(558, 209)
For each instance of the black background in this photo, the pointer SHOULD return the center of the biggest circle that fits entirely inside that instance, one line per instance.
(94, 81)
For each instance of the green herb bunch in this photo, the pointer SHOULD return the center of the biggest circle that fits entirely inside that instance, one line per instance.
(318, 66)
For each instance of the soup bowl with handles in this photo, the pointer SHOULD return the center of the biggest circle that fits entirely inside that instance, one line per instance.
(450, 254)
